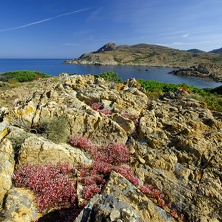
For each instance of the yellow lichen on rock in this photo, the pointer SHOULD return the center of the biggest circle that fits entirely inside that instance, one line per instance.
(6, 168)
(20, 206)
(3, 133)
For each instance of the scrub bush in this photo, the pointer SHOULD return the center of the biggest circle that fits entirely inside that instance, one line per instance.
(153, 86)
(56, 129)
(22, 76)
(109, 76)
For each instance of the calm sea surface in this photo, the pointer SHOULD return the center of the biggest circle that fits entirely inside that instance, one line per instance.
(56, 66)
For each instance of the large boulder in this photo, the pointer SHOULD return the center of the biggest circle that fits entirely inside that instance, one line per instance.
(121, 200)
(7, 165)
(37, 150)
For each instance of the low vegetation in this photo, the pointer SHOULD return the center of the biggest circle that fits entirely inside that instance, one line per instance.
(109, 76)
(22, 76)
(210, 97)
(55, 129)
(155, 89)
(213, 101)
(56, 187)
(51, 184)
(153, 85)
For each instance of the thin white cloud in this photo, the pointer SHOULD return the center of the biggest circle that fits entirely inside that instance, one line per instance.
(185, 35)
(95, 14)
(71, 44)
(44, 20)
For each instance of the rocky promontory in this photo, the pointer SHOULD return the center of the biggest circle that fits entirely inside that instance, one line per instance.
(204, 70)
(190, 62)
(126, 157)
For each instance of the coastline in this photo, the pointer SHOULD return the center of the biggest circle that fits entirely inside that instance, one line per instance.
(194, 71)
(154, 72)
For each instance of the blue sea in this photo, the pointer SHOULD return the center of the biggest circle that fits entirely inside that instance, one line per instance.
(56, 66)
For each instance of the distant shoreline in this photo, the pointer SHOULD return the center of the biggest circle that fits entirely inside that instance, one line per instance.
(178, 70)
(55, 67)
(155, 56)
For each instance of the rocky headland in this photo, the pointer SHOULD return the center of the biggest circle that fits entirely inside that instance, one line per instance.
(204, 70)
(192, 62)
(163, 157)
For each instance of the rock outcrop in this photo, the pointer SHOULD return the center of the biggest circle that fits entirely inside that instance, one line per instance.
(211, 71)
(120, 200)
(175, 144)
(6, 168)
(107, 47)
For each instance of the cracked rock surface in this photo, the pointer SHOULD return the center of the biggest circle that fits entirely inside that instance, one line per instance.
(175, 141)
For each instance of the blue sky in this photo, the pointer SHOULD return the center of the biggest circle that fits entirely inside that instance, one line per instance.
(69, 28)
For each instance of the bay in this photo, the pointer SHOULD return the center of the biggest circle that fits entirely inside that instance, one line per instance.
(55, 67)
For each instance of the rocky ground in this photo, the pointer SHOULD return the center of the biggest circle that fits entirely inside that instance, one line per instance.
(175, 144)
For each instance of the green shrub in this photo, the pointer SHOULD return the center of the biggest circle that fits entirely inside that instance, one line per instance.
(153, 85)
(109, 76)
(155, 89)
(217, 90)
(154, 94)
(56, 129)
(213, 101)
(73, 74)
(16, 141)
(22, 76)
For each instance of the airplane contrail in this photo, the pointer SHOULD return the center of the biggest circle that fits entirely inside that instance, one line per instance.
(41, 21)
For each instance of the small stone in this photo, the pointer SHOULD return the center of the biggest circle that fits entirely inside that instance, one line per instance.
(141, 160)
(114, 215)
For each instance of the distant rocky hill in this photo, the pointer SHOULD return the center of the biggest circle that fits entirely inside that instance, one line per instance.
(146, 54)
(218, 51)
(195, 51)
(155, 55)
(119, 155)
